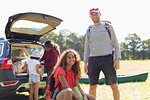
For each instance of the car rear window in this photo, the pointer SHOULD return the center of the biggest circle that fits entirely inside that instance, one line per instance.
(1, 49)
(28, 27)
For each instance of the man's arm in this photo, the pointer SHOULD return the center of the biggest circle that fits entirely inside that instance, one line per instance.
(86, 48)
(115, 43)
(86, 52)
(117, 49)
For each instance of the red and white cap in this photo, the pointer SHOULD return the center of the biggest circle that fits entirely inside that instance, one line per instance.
(94, 10)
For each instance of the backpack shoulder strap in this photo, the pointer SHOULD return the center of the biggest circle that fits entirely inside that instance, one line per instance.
(89, 29)
(88, 32)
(107, 24)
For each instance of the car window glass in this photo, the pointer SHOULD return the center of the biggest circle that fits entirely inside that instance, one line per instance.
(18, 52)
(40, 49)
(28, 27)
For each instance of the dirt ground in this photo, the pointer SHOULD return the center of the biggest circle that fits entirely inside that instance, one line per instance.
(134, 67)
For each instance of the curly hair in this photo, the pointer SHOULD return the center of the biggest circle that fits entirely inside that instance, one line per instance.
(62, 62)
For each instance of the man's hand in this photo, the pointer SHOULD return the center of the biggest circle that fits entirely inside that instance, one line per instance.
(85, 68)
(116, 63)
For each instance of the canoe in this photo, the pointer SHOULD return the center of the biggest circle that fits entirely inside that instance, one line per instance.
(140, 77)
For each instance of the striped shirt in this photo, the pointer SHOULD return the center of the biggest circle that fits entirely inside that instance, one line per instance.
(98, 42)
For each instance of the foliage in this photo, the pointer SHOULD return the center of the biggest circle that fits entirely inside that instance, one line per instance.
(66, 40)
(132, 49)
(135, 49)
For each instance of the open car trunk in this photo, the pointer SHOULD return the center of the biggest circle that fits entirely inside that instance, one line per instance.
(30, 26)
(20, 53)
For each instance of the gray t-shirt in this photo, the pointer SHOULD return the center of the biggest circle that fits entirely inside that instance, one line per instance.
(98, 42)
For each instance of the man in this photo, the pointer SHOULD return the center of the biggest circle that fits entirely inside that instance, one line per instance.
(98, 55)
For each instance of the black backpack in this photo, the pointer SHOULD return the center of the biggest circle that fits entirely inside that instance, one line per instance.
(51, 84)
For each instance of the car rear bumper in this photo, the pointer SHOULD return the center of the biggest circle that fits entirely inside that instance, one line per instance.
(21, 82)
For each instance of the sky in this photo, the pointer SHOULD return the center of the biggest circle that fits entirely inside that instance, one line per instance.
(126, 16)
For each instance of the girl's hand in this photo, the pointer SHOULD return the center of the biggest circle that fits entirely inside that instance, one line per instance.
(78, 98)
(85, 97)
(41, 77)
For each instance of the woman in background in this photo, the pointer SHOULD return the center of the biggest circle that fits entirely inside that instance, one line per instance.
(50, 56)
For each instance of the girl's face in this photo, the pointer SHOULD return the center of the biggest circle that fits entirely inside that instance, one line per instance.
(47, 49)
(70, 59)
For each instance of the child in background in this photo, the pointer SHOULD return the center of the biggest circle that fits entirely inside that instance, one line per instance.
(67, 72)
(34, 74)
(50, 57)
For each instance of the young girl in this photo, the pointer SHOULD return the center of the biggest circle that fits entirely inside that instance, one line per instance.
(34, 74)
(67, 72)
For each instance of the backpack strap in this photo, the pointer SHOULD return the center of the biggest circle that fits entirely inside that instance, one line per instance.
(88, 32)
(89, 29)
(107, 23)
(48, 80)
(59, 84)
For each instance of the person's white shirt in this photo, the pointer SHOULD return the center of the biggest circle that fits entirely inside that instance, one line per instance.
(32, 66)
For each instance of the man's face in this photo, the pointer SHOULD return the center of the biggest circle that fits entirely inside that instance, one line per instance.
(95, 17)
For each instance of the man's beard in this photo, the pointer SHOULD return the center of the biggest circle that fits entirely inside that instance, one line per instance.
(96, 20)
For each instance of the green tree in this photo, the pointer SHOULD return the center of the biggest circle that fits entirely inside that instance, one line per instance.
(50, 36)
(145, 52)
(124, 51)
(75, 42)
(133, 43)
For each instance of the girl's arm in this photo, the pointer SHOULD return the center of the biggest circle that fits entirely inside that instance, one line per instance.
(40, 73)
(52, 60)
(80, 89)
(65, 85)
(43, 57)
(25, 66)
(63, 81)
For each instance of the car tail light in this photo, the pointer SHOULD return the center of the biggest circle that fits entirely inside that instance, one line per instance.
(9, 83)
(6, 64)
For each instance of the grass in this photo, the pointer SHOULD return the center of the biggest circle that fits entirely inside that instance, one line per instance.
(128, 91)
